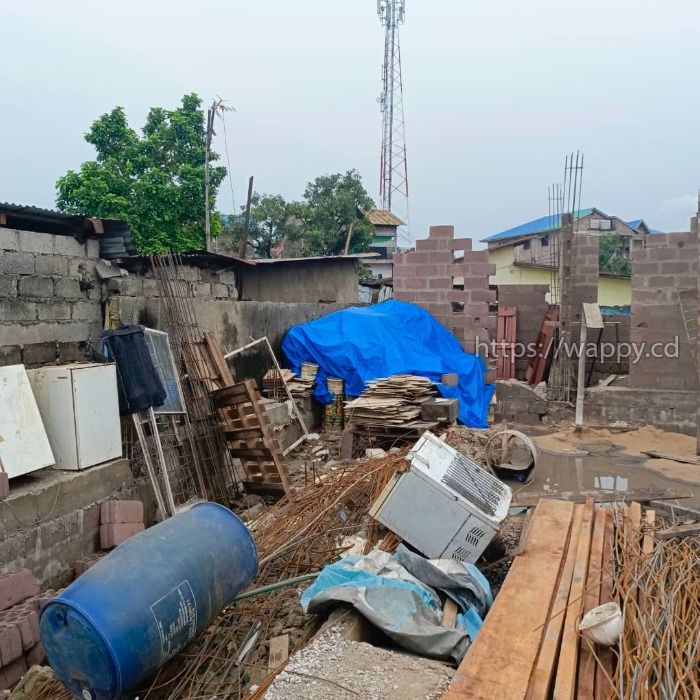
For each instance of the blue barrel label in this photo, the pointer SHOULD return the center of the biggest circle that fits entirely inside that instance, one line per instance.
(176, 617)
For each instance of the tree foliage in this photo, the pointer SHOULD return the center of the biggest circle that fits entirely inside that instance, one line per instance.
(271, 220)
(332, 203)
(319, 224)
(613, 255)
(154, 180)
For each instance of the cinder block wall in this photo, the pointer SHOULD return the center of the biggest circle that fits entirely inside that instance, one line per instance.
(50, 298)
(426, 277)
(529, 300)
(667, 267)
(586, 268)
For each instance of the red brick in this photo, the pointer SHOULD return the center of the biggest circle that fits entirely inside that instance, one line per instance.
(10, 643)
(16, 587)
(121, 512)
(441, 232)
(114, 534)
(10, 675)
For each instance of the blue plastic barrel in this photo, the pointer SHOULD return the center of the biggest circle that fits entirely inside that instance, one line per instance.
(140, 605)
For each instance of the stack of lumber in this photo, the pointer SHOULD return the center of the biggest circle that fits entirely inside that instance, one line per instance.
(301, 388)
(529, 646)
(273, 383)
(392, 401)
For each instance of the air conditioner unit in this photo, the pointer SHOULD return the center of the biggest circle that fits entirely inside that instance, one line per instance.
(444, 505)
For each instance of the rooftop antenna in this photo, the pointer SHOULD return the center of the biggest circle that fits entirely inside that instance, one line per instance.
(393, 184)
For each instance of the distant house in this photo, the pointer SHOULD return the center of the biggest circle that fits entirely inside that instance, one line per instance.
(384, 243)
(524, 254)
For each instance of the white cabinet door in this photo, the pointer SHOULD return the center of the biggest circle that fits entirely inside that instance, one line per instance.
(25, 446)
(96, 407)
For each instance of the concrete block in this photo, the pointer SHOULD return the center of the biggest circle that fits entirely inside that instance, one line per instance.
(9, 239)
(219, 291)
(10, 355)
(51, 265)
(54, 310)
(35, 242)
(11, 675)
(10, 643)
(227, 277)
(121, 512)
(8, 286)
(150, 288)
(427, 244)
(18, 310)
(39, 353)
(36, 655)
(92, 248)
(444, 410)
(31, 286)
(190, 274)
(126, 286)
(441, 232)
(89, 311)
(201, 290)
(67, 288)
(17, 263)
(67, 245)
(114, 534)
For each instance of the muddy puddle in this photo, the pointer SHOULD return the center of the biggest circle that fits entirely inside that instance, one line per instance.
(606, 467)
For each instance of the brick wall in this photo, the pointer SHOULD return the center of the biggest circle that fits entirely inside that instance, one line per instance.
(50, 298)
(667, 267)
(427, 277)
(529, 300)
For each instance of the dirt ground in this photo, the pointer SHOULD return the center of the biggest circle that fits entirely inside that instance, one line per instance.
(633, 443)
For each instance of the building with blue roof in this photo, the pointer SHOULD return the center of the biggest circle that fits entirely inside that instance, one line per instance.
(524, 254)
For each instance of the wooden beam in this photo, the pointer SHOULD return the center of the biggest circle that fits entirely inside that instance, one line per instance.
(565, 684)
(679, 531)
(525, 499)
(543, 672)
(449, 613)
(683, 459)
(604, 670)
(499, 662)
(587, 661)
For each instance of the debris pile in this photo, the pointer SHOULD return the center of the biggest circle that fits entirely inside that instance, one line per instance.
(395, 401)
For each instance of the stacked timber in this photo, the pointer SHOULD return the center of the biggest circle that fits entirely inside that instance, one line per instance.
(392, 401)
(533, 629)
(301, 388)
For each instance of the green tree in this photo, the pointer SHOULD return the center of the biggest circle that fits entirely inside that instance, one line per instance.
(153, 181)
(332, 203)
(271, 220)
(613, 255)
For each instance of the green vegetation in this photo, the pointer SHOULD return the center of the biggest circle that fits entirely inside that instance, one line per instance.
(613, 255)
(153, 181)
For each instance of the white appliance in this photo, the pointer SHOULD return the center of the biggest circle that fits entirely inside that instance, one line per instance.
(80, 409)
(24, 446)
(445, 505)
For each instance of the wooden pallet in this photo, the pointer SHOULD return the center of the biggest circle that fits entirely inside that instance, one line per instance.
(250, 437)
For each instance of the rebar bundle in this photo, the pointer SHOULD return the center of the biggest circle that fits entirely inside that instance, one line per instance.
(657, 583)
(212, 459)
(293, 538)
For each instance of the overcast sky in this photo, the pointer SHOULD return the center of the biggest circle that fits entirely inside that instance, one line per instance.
(496, 93)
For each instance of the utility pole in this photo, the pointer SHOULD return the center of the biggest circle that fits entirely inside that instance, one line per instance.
(216, 106)
(246, 226)
(393, 187)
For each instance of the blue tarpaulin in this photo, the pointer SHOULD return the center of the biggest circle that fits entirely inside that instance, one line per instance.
(364, 343)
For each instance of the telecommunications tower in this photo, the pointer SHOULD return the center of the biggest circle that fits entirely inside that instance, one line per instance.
(393, 186)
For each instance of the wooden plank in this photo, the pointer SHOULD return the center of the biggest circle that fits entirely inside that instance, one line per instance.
(527, 499)
(449, 613)
(217, 359)
(604, 669)
(229, 395)
(679, 531)
(633, 524)
(683, 459)
(587, 662)
(648, 541)
(499, 662)
(279, 652)
(565, 683)
(545, 666)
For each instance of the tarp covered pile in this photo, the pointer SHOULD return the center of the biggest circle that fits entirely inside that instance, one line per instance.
(364, 343)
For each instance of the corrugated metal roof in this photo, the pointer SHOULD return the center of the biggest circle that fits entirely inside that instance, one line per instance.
(541, 225)
(383, 217)
(9, 207)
